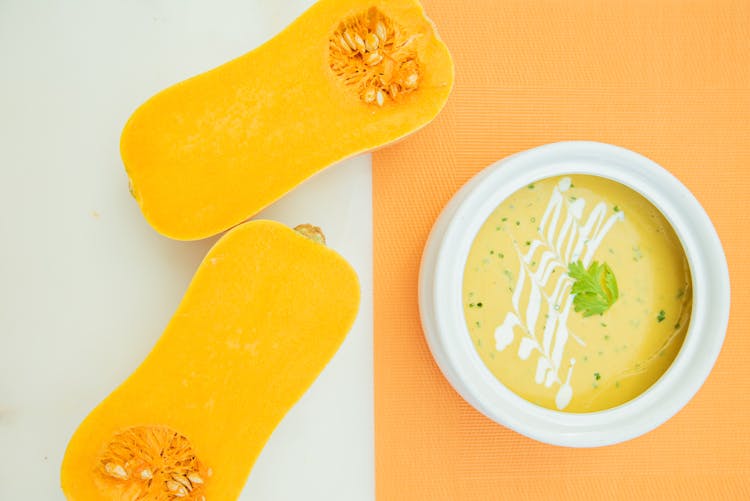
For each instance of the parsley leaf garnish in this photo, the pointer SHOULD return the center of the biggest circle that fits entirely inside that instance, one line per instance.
(595, 288)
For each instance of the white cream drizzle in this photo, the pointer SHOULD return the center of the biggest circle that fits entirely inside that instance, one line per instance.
(574, 240)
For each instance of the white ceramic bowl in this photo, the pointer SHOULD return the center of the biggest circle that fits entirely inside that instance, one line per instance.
(441, 283)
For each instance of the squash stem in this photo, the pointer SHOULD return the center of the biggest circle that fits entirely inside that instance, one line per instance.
(314, 233)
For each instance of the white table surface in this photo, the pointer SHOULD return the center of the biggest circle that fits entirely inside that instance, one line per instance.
(86, 286)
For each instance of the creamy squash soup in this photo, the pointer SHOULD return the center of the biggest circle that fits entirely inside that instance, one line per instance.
(577, 293)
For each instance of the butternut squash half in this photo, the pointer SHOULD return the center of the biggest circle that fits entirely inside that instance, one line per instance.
(346, 77)
(265, 312)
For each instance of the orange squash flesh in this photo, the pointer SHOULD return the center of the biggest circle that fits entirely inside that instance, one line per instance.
(207, 153)
(265, 312)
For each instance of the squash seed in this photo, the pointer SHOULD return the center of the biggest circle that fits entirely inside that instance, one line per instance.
(195, 478)
(349, 40)
(369, 96)
(380, 30)
(184, 481)
(173, 486)
(359, 42)
(373, 58)
(116, 470)
(344, 46)
(380, 98)
(371, 42)
(388, 70)
(407, 42)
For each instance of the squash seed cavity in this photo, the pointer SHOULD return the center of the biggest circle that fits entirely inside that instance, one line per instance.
(375, 56)
(151, 463)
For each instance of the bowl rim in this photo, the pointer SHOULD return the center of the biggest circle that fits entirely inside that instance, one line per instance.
(441, 283)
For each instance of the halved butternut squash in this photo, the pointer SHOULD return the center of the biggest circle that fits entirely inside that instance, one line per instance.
(346, 77)
(265, 312)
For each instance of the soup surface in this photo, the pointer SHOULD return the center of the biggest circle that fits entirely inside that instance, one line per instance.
(577, 293)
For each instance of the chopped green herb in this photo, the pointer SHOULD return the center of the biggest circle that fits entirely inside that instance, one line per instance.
(603, 324)
(595, 288)
(573, 199)
(531, 186)
(497, 228)
(616, 208)
(478, 323)
(661, 316)
(597, 376)
(606, 337)
(471, 305)
(500, 255)
(680, 293)
(533, 263)
(677, 325)
(528, 242)
(479, 305)
(504, 219)
(518, 223)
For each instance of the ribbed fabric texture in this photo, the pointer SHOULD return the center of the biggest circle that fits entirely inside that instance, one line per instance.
(668, 79)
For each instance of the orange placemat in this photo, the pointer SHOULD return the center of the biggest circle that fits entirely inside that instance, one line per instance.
(668, 79)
